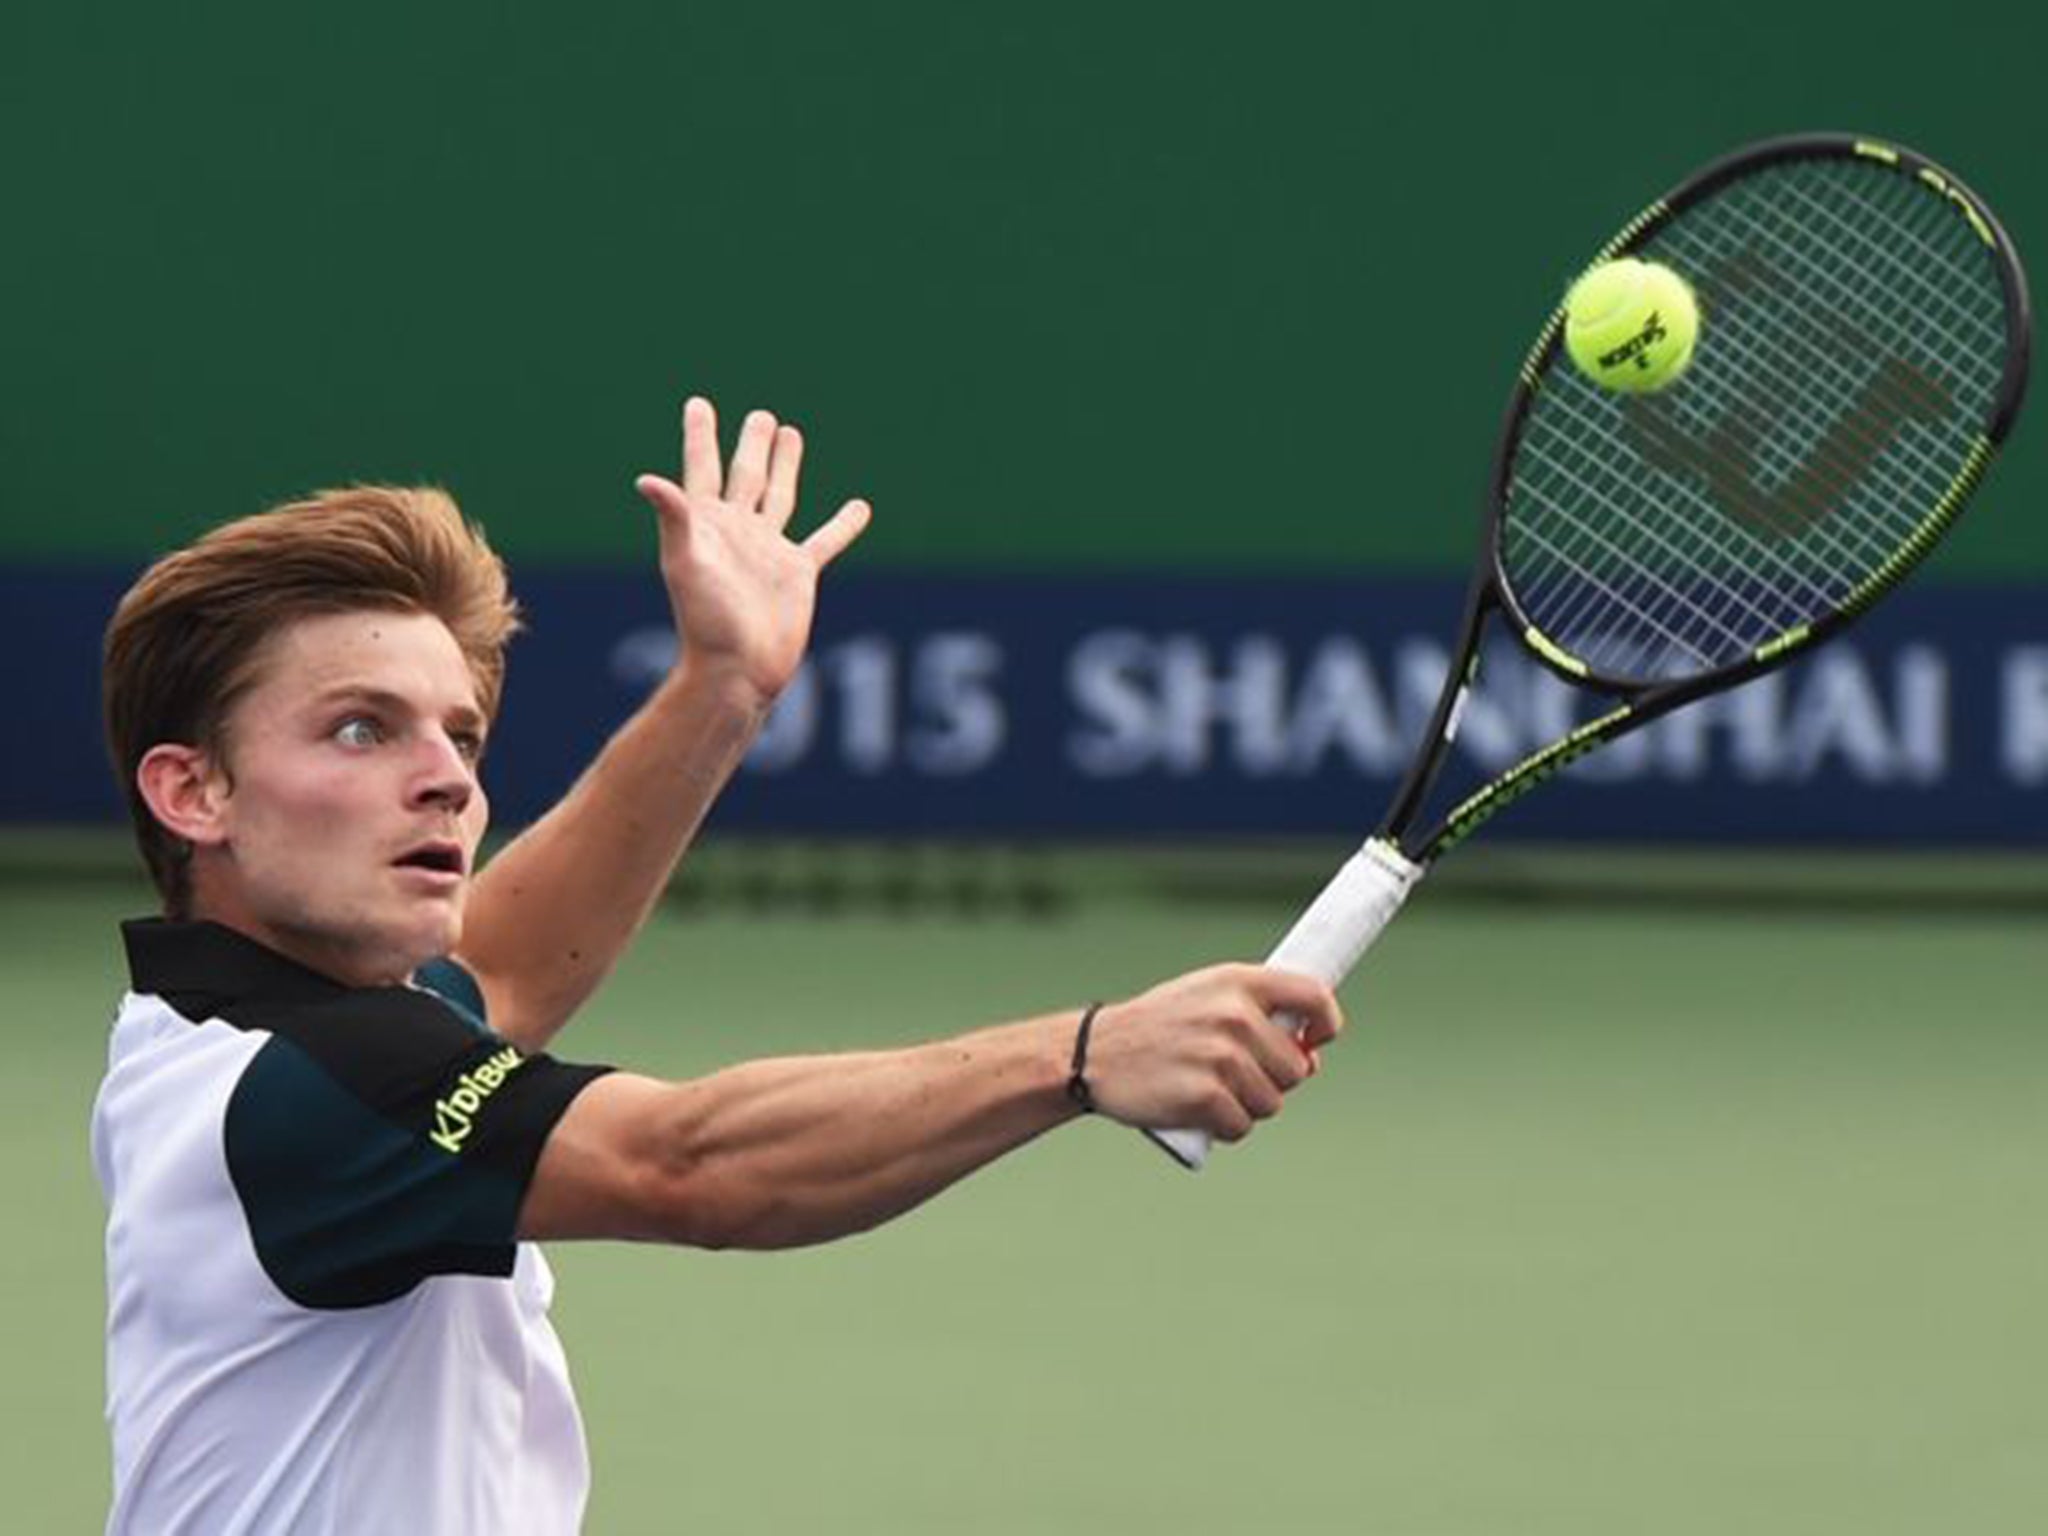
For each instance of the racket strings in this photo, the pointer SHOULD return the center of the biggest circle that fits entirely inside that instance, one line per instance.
(1611, 570)
(1839, 552)
(1685, 539)
(1926, 278)
(1830, 358)
(1919, 222)
(1853, 339)
(1891, 297)
(1806, 351)
(1686, 543)
(1832, 547)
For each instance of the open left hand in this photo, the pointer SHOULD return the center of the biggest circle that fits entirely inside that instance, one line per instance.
(743, 591)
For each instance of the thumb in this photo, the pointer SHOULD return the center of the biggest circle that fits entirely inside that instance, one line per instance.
(664, 495)
(830, 539)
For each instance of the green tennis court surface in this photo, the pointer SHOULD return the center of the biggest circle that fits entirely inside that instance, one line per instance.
(1642, 1197)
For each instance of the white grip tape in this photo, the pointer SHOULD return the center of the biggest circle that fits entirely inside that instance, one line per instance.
(1325, 942)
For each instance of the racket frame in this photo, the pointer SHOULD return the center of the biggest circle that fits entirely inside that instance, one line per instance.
(1351, 911)
(1641, 702)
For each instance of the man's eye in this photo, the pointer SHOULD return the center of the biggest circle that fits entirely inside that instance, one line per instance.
(470, 744)
(359, 731)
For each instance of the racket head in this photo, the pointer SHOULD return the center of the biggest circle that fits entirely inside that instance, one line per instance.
(1864, 350)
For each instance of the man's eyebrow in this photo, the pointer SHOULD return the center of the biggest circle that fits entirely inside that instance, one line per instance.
(467, 715)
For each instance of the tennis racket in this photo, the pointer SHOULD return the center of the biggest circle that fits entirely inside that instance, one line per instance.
(1862, 354)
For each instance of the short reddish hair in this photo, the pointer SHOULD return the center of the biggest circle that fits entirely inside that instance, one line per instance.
(187, 640)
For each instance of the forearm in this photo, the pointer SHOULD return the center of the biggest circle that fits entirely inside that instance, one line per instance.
(550, 915)
(781, 1153)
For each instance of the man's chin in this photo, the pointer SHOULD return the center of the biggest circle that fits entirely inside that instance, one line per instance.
(423, 931)
(437, 934)
(429, 904)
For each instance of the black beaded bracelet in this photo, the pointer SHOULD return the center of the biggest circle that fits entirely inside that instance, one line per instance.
(1077, 1074)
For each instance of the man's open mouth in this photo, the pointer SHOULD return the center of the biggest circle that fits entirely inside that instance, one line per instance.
(441, 858)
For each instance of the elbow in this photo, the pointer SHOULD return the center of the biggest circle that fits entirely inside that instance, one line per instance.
(718, 1181)
(717, 1206)
(687, 1202)
(709, 1203)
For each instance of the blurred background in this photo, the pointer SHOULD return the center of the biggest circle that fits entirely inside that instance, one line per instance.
(1683, 1168)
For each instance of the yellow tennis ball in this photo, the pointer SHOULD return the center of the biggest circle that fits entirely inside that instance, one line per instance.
(1631, 325)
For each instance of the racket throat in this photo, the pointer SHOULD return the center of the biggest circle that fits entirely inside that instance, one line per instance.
(1445, 717)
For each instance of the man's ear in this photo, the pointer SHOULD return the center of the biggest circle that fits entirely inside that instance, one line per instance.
(186, 791)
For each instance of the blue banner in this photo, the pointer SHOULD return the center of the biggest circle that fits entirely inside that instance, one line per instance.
(1148, 705)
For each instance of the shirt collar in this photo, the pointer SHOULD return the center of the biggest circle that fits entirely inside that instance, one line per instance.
(202, 957)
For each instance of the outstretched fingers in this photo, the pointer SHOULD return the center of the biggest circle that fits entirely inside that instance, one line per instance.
(785, 460)
(831, 538)
(664, 495)
(748, 482)
(703, 474)
(761, 481)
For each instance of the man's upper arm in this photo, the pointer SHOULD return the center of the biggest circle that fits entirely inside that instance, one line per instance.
(513, 1009)
(603, 1172)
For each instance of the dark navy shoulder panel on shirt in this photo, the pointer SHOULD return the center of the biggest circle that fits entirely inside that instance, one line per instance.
(382, 1138)
(382, 1135)
(450, 981)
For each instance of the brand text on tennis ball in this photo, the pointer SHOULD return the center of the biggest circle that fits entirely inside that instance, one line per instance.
(1631, 325)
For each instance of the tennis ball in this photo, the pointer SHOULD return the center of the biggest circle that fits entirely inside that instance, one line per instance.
(1630, 325)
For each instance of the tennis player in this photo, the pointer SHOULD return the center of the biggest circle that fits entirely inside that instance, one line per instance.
(331, 1132)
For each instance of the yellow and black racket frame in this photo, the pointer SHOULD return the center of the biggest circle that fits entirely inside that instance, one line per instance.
(1637, 702)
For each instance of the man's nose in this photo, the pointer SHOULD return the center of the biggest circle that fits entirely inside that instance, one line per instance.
(446, 776)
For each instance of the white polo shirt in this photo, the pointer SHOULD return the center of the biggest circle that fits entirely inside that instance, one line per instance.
(318, 1317)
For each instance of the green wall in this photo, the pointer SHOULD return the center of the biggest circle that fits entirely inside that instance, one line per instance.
(1056, 286)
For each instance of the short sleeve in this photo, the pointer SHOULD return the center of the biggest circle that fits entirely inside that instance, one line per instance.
(386, 1137)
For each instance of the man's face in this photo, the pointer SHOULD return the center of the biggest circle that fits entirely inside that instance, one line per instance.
(351, 806)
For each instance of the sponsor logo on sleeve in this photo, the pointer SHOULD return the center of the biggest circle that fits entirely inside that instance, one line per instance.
(455, 1112)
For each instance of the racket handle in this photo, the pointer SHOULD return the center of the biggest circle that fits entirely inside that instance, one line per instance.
(1325, 942)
